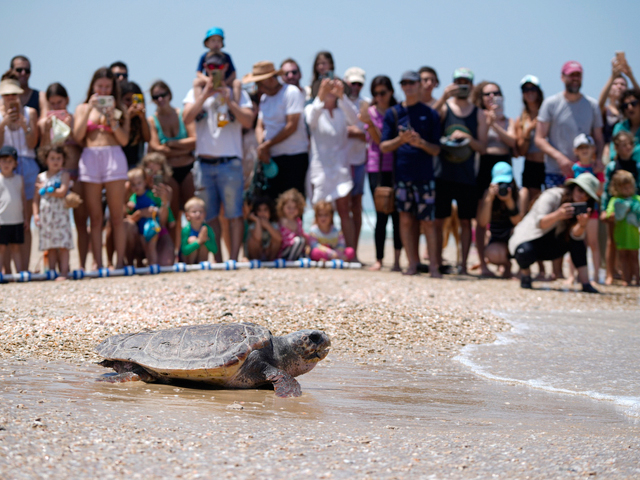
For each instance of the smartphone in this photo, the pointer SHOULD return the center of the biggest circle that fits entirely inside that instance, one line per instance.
(621, 58)
(402, 128)
(216, 76)
(61, 114)
(462, 91)
(499, 101)
(158, 178)
(579, 208)
(137, 98)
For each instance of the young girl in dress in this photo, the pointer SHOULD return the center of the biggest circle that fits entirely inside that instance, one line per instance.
(264, 238)
(624, 207)
(290, 208)
(49, 211)
(326, 241)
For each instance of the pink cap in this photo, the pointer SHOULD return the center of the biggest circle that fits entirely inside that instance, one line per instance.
(571, 67)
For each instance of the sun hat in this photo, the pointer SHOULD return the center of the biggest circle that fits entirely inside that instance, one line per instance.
(10, 87)
(587, 182)
(9, 151)
(583, 139)
(354, 75)
(463, 73)
(532, 79)
(213, 31)
(410, 76)
(501, 173)
(261, 71)
(571, 67)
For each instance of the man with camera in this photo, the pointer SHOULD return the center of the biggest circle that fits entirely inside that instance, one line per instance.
(465, 133)
(412, 130)
(280, 130)
(218, 166)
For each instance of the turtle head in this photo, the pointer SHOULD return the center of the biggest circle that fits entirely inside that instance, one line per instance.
(300, 351)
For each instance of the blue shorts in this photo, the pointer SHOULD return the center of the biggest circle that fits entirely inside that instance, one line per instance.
(220, 183)
(29, 169)
(358, 173)
(418, 199)
(554, 180)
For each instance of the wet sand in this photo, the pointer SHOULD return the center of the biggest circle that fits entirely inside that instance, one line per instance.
(388, 402)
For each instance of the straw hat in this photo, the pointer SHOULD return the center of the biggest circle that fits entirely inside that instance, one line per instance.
(261, 71)
(10, 87)
(588, 182)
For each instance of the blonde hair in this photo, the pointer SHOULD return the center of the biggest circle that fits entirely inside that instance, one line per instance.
(136, 172)
(291, 195)
(323, 206)
(620, 179)
(158, 159)
(194, 202)
(624, 134)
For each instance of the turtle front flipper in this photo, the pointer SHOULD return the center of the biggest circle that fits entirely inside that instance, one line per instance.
(126, 372)
(120, 378)
(283, 383)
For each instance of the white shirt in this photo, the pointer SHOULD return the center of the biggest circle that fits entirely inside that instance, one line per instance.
(214, 141)
(11, 209)
(273, 112)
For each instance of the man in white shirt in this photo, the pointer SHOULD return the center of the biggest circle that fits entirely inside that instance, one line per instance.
(354, 77)
(218, 166)
(280, 131)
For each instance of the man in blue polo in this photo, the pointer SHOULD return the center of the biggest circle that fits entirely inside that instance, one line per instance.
(412, 130)
(218, 165)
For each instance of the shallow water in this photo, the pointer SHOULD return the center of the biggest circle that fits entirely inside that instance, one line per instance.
(589, 354)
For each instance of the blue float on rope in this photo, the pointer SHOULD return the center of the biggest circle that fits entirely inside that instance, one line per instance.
(255, 264)
(51, 274)
(103, 272)
(154, 269)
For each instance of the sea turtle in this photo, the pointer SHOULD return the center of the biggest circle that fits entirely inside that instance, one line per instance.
(230, 355)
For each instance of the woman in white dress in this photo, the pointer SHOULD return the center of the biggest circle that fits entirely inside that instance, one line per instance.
(328, 117)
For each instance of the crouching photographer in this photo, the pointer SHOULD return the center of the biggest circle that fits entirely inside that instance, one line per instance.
(555, 225)
(499, 209)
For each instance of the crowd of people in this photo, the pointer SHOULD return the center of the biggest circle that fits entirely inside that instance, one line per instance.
(242, 159)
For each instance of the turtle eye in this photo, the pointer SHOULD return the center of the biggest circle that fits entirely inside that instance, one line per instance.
(315, 337)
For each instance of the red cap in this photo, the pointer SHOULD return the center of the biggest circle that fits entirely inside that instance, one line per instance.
(571, 67)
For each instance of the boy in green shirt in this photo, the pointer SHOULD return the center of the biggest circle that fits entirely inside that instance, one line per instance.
(198, 238)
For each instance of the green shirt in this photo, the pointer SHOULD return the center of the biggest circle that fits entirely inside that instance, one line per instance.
(626, 236)
(188, 248)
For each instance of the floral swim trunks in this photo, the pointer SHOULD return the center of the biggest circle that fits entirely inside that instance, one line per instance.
(416, 198)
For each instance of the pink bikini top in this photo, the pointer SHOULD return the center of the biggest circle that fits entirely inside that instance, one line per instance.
(91, 126)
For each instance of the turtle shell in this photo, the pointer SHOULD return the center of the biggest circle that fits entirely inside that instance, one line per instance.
(197, 352)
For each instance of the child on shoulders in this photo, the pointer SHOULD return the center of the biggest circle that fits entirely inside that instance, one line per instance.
(198, 238)
(326, 241)
(214, 41)
(290, 207)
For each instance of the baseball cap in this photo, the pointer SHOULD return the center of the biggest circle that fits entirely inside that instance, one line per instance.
(501, 173)
(463, 73)
(9, 151)
(411, 76)
(583, 139)
(354, 74)
(530, 79)
(214, 31)
(571, 67)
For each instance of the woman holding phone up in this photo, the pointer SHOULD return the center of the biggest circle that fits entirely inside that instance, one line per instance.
(102, 126)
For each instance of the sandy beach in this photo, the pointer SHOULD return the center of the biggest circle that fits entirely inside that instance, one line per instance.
(388, 402)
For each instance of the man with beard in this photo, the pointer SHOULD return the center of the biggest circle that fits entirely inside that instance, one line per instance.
(562, 118)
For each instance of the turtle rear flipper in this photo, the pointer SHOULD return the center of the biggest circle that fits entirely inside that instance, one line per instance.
(120, 378)
(284, 384)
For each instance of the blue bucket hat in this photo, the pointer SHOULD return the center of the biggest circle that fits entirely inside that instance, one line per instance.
(501, 173)
(214, 31)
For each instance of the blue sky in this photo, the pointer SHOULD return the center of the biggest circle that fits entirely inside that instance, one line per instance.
(499, 40)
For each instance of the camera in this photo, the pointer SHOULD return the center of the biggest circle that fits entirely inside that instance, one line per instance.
(137, 98)
(579, 208)
(462, 91)
(503, 189)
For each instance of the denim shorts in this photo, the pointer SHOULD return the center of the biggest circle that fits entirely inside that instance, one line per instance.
(358, 173)
(29, 169)
(553, 180)
(220, 183)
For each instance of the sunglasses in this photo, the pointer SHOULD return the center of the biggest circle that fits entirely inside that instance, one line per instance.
(23, 70)
(488, 94)
(529, 89)
(632, 103)
(380, 93)
(213, 66)
(292, 72)
(160, 95)
(408, 82)
(123, 75)
(356, 84)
